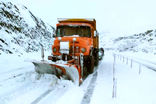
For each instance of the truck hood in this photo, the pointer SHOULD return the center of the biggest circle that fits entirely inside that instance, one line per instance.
(82, 41)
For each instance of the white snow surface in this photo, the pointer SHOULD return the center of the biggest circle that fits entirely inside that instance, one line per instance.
(20, 84)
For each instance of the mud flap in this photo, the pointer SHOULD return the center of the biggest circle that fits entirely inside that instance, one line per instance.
(69, 71)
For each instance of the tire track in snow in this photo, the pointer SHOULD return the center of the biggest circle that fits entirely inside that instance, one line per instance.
(52, 94)
(15, 69)
(12, 77)
(14, 73)
(42, 96)
(12, 70)
(29, 87)
(87, 96)
(13, 88)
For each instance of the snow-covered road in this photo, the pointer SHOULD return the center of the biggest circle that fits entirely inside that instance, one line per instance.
(20, 84)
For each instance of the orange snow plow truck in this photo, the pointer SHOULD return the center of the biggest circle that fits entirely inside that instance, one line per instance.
(75, 50)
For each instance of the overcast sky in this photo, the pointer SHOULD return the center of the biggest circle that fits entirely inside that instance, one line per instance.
(121, 17)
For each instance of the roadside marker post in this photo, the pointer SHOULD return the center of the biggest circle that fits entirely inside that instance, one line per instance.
(131, 62)
(114, 78)
(139, 68)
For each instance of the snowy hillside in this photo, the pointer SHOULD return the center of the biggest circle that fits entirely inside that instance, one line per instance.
(143, 42)
(21, 31)
(125, 78)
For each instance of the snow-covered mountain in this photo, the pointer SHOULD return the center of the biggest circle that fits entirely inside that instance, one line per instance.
(143, 42)
(21, 31)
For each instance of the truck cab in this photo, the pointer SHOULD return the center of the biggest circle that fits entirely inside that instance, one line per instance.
(75, 38)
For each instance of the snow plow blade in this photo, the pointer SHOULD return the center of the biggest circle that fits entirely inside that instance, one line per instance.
(66, 71)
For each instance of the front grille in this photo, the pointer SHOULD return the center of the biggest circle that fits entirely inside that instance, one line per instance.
(76, 49)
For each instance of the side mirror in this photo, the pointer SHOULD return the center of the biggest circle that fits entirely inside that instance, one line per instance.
(101, 53)
(54, 35)
(95, 33)
(54, 32)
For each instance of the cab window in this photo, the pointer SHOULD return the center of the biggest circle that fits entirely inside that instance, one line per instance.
(82, 31)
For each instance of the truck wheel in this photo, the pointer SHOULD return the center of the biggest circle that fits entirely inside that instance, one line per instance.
(101, 53)
(96, 59)
(85, 72)
(91, 64)
(88, 66)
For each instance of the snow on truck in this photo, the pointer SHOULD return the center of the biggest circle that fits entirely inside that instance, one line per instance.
(75, 50)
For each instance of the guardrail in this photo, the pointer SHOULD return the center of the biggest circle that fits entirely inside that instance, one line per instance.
(141, 63)
(131, 61)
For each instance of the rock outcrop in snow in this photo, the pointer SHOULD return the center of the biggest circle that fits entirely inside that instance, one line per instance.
(21, 31)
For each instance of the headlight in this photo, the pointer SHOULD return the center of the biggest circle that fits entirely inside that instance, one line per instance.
(54, 50)
(83, 50)
(59, 38)
(74, 39)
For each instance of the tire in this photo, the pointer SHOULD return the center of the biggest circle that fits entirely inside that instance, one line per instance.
(91, 66)
(96, 59)
(95, 55)
(88, 66)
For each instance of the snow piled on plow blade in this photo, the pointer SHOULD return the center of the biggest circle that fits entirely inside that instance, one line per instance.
(60, 70)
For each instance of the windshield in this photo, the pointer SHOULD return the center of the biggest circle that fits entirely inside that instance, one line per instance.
(82, 31)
